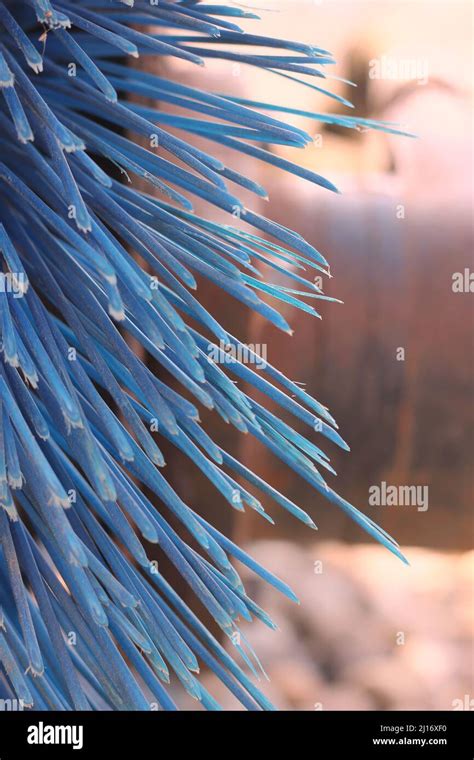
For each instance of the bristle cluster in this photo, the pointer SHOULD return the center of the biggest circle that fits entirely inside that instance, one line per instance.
(87, 621)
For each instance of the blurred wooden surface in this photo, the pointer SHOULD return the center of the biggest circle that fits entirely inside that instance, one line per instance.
(407, 422)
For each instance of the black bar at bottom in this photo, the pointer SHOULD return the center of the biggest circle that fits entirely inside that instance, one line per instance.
(313, 734)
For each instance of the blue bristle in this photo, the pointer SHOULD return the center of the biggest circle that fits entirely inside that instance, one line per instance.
(80, 483)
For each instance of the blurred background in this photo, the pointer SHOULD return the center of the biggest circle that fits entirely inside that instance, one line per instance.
(394, 364)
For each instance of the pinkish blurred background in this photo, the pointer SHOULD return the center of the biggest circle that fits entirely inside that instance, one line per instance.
(394, 363)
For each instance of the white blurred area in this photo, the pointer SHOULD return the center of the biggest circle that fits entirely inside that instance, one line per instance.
(435, 34)
(368, 634)
(432, 173)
